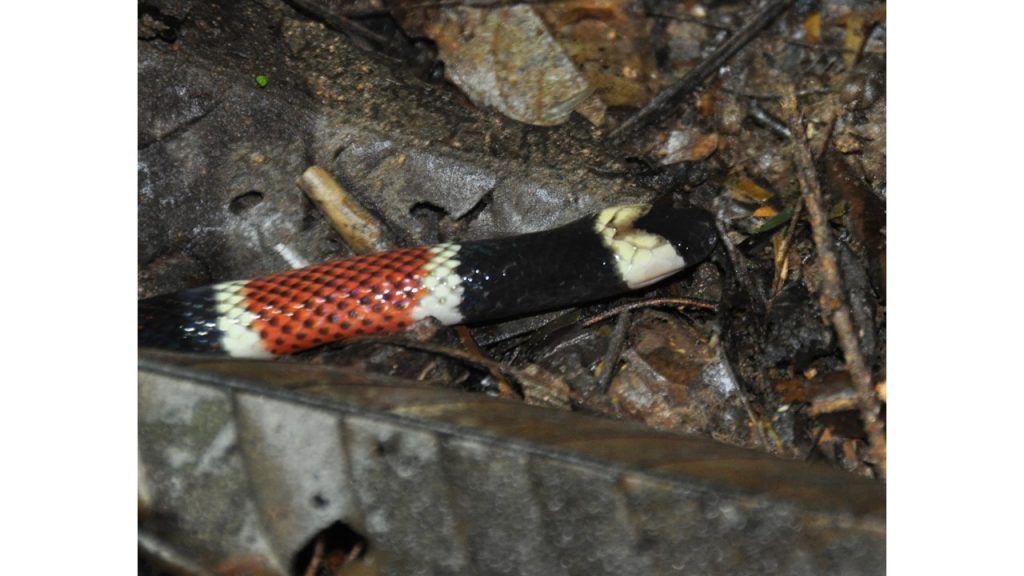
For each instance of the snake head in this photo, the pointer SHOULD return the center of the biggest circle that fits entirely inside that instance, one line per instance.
(691, 231)
(650, 243)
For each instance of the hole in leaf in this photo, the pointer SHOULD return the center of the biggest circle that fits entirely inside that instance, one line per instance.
(244, 202)
(329, 550)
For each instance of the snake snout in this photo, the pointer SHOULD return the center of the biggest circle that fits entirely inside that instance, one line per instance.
(697, 234)
(691, 231)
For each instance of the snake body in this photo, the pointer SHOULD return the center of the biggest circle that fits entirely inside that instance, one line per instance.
(619, 249)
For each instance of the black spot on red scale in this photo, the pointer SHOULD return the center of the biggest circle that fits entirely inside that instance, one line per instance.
(327, 301)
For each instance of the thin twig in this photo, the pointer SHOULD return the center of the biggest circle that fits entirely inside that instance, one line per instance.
(669, 98)
(743, 277)
(830, 126)
(775, 97)
(476, 3)
(787, 242)
(832, 298)
(814, 444)
(318, 557)
(614, 352)
(648, 303)
(497, 370)
(353, 554)
(755, 422)
(337, 16)
(716, 26)
(765, 424)
(504, 388)
(771, 123)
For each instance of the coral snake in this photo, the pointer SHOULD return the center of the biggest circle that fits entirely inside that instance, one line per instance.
(619, 249)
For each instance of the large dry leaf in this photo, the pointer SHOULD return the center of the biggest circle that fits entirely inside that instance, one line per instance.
(608, 41)
(505, 58)
(244, 463)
